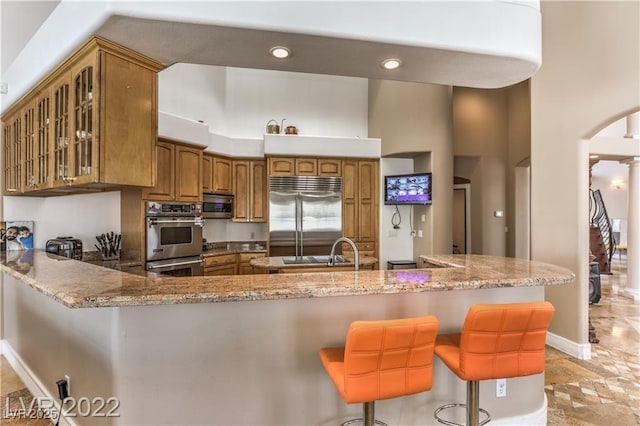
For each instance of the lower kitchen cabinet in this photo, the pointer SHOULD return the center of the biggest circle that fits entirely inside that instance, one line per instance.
(231, 264)
(243, 263)
(224, 264)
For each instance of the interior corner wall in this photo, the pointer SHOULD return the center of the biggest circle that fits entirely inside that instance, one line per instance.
(518, 151)
(588, 79)
(413, 120)
(481, 138)
(238, 102)
(395, 244)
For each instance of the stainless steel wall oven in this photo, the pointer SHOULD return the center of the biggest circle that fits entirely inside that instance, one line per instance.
(174, 238)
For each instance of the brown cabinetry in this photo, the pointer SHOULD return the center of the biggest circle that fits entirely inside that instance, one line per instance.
(306, 167)
(279, 166)
(250, 189)
(329, 167)
(289, 166)
(222, 175)
(207, 173)
(231, 264)
(217, 174)
(89, 125)
(244, 268)
(360, 204)
(224, 264)
(179, 173)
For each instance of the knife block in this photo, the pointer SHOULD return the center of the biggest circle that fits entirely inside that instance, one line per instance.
(111, 256)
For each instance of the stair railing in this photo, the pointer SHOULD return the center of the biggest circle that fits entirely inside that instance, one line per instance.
(600, 219)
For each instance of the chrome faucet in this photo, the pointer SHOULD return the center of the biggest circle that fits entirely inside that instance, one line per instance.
(332, 256)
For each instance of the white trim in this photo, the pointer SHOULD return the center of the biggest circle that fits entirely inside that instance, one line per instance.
(578, 350)
(322, 146)
(31, 381)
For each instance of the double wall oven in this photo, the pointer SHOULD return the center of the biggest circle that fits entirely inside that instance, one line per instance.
(174, 238)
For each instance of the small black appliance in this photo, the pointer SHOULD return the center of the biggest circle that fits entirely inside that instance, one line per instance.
(65, 246)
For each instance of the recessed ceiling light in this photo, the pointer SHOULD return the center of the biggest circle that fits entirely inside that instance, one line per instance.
(280, 52)
(391, 63)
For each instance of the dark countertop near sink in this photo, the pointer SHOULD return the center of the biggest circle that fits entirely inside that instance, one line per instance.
(233, 247)
(277, 264)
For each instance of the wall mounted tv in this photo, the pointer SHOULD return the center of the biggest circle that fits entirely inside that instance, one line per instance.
(408, 189)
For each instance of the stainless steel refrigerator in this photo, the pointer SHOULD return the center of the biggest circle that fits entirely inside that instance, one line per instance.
(305, 215)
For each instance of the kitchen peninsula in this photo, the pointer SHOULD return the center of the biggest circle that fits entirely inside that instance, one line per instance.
(253, 361)
(319, 264)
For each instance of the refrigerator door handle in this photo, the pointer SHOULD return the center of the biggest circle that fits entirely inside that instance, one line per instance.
(301, 227)
(297, 229)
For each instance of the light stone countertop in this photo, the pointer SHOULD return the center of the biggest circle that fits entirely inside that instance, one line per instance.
(276, 263)
(77, 284)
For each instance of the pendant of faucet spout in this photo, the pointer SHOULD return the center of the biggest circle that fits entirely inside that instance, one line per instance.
(356, 259)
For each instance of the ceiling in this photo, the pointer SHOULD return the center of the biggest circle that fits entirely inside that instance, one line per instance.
(172, 42)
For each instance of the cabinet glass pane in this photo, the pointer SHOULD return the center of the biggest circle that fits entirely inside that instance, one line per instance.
(16, 154)
(83, 106)
(7, 156)
(28, 179)
(61, 119)
(44, 117)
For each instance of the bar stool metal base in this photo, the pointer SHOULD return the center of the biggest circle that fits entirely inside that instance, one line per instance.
(368, 416)
(447, 422)
(472, 406)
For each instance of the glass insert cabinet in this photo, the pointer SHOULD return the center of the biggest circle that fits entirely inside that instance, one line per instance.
(89, 125)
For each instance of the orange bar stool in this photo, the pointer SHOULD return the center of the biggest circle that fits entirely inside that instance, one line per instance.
(382, 360)
(497, 342)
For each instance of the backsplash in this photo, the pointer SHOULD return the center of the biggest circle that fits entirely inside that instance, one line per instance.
(80, 216)
(227, 230)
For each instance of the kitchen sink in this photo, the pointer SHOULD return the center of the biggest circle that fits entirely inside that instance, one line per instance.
(288, 260)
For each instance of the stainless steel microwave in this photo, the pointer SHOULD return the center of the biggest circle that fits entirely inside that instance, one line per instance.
(217, 206)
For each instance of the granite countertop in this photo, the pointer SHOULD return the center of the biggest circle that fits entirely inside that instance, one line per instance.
(77, 284)
(276, 263)
(233, 247)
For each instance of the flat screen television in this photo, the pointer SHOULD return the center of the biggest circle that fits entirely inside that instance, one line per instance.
(408, 189)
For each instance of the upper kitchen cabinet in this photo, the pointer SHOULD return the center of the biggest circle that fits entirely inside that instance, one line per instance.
(250, 189)
(217, 174)
(90, 125)
(303, 166)
(179, 173)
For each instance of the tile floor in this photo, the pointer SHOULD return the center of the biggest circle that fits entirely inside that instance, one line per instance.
(604, 390)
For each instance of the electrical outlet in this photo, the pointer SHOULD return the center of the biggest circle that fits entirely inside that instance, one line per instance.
(420, 233)
(423, 218)
(501, 388)
(253, 235)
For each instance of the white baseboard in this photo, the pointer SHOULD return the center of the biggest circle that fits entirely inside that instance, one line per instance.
(578, 350)
(31, 381)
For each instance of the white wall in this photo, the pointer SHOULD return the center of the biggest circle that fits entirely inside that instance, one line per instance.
(395, 244)
(216, 230)
(578, 60)
(238, 102)
(80, 216)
